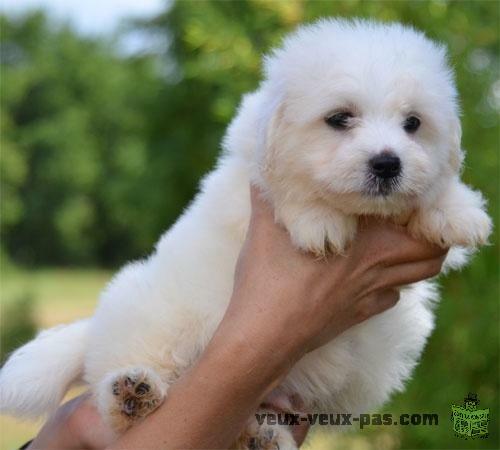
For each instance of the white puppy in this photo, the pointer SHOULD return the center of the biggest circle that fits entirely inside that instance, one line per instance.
(352, 118)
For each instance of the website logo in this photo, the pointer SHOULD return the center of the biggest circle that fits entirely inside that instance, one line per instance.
(469, 422)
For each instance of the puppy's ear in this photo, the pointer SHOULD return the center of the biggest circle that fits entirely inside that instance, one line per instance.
(456, 156)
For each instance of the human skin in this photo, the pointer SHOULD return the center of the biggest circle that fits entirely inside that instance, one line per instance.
(276, 287)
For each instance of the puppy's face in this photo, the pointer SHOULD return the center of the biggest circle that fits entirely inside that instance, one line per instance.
(370, 131)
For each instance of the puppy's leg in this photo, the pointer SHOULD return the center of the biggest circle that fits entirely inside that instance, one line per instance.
(457, 218)
(318, 229)
(265, 436)
(128, 395)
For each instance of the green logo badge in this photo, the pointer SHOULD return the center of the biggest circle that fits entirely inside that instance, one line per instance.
(468, 421)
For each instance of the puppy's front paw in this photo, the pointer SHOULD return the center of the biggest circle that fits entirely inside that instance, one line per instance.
(466, 227)
(320, 232)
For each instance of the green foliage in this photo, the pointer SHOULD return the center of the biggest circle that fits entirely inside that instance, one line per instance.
(73, 131)
(100, 153)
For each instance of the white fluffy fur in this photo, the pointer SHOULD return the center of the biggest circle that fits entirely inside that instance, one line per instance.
(53, 359)
(159, 314)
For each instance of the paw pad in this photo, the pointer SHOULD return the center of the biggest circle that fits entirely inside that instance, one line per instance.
(142, 388)
(266, 440)
(129, 406)
(136, 395)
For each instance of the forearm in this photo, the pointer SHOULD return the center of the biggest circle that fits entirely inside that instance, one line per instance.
(209, 406)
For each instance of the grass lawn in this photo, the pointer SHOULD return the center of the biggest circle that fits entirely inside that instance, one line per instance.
(59, 296)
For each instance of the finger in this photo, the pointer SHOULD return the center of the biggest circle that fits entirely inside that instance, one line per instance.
(386, 299)
(389, 244)
(377, 302)
(407, 273)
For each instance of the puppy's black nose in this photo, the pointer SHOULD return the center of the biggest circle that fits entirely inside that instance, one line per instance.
(385, 165)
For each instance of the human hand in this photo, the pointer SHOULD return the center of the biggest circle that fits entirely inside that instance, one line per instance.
(75, 425)
(284, 298)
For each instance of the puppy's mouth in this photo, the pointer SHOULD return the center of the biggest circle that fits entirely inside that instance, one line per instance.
(381, 187)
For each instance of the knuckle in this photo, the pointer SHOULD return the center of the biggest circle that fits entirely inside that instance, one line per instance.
(394, 296)
(364, 311)
(387, 299)
(435, 267)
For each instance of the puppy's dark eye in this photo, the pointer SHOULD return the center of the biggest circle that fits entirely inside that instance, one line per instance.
(339, 121)
(411, 124)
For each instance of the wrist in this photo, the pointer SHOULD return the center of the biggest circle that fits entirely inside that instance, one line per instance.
(253, 358)
(264, 353)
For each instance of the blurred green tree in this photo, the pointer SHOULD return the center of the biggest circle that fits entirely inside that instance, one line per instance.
(74, 152)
